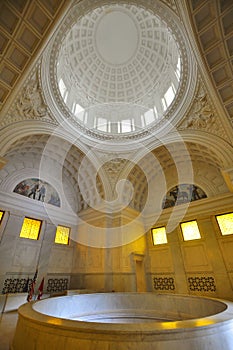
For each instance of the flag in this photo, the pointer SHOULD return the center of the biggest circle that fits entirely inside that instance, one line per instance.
(40, 289)
(25, 288)
(32, 287)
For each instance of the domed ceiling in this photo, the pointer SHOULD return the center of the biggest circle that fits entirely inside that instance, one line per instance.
(118, 70)
(117, 54)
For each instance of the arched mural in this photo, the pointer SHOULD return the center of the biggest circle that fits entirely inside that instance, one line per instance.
(39, 190)
(182, 193)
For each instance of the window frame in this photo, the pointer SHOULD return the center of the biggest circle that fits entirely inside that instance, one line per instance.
(39, 231)
(3, 213)
(68, 241)
(218, 225)
(192, 239)
(152, 236)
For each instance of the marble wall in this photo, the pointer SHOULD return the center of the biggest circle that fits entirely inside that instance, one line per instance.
(20, 257)
(199, 267)
(63, 266)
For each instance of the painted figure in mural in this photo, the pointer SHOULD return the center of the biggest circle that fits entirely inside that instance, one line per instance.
(54, 200)
(193, 192)
(34, 190)
(174, 193)
(196, 193)
(22, 188)
(42, 191)
(39, 190)
(183, 196)
(182, 193)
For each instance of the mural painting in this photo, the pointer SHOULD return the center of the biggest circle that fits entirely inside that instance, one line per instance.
(39, 190)
(182, 193)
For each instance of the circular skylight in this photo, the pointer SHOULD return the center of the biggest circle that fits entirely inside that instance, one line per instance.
(118, 69)
(116, 36)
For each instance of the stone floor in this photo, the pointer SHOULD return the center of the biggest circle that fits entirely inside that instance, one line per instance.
(8, 322)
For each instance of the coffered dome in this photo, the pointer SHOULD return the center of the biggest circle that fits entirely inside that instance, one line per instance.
(120, 69)
(118, 53)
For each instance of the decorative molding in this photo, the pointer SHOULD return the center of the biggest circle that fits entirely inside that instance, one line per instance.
(171, 4)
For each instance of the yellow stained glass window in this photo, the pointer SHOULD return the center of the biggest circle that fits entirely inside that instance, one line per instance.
(190, 230)
(62, 235)
(225, 223)
(30, 228)
(159, 235)
(1, 215)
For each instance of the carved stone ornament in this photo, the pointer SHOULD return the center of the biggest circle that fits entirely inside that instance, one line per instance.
(202, 115)
(171, 4)
(30, 103)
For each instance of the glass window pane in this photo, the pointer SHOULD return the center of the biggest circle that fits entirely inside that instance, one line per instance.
(225, 223)
(102, 124)
(190, 230)
(30, 228)
(159, 235)
(62, 87)
(126, 125)
(169, 96)
(149, 116)
(62, 235)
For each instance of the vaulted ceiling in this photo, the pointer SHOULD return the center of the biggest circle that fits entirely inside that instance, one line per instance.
(201, 133)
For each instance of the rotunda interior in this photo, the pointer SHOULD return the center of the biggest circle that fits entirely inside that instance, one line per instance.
(116, 139)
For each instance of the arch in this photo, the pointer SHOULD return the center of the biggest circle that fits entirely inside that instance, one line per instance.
(10, 134)
(214, 143)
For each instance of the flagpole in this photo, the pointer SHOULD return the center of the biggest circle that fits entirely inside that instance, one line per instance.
(40, 289)
(4, 305)
(44, 224)
(32, 287)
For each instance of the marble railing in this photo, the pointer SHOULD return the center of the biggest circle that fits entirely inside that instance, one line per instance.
(134, 321)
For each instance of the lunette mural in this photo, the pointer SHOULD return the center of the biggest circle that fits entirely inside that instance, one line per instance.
(39, 190)
(182, 193)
